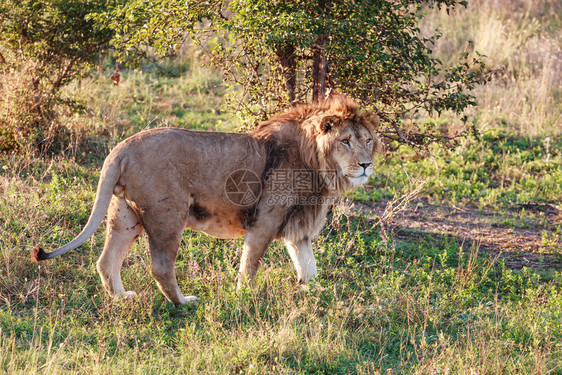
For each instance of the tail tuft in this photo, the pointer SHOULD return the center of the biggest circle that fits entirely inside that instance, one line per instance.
(38, 254)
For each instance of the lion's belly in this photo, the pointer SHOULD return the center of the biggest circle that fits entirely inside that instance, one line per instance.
(220, 226)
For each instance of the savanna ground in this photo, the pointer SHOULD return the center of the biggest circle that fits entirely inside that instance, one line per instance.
(443, 263)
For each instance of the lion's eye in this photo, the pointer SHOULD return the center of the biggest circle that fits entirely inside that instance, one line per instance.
(369, 140)
(345, 142)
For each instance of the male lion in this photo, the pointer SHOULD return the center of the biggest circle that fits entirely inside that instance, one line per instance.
(274, 183)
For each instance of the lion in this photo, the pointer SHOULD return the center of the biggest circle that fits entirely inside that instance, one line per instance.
(276, 182)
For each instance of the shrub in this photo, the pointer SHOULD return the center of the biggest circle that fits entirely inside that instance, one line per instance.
(44, 45)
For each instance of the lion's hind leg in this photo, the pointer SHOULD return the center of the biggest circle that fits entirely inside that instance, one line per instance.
(123, 227)
(164, 245)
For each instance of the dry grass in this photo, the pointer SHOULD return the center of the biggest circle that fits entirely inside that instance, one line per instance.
(521, 40)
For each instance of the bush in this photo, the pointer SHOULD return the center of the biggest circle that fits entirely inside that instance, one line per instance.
(44, 45)
(274, 54)
(27, 113)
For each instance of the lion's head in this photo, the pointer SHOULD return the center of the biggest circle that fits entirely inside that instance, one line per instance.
(348, 146)
(333, 135)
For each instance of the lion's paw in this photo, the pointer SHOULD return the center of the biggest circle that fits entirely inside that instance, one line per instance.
(188, 300)
(313, 286)
(126, 295)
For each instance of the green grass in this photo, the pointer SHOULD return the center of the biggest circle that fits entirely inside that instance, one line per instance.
(423, 303)
(498, 170)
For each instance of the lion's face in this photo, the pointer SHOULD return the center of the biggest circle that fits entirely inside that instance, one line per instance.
(352, 150)
(351, 147)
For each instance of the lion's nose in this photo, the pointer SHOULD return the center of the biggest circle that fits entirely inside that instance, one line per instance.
(365, 165)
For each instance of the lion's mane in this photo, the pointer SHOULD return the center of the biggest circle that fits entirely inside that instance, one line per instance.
(294, 135)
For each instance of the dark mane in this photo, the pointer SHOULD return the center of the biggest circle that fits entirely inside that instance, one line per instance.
(302, 138)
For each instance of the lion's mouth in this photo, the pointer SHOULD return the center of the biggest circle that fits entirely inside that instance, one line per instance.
(363, 174)
(358, 180)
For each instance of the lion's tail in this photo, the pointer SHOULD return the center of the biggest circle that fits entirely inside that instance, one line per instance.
(109, 177)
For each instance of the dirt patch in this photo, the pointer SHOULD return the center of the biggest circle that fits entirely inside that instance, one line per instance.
(516, 234)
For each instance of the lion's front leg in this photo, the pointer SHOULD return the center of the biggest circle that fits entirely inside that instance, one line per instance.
(303, 258)
(255, 245)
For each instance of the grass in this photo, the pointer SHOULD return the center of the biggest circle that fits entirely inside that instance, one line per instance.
(409, 307)
(423, 303)
(521, 41)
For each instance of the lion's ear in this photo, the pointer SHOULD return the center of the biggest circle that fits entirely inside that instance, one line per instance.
(372, 121)
(328, 123)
